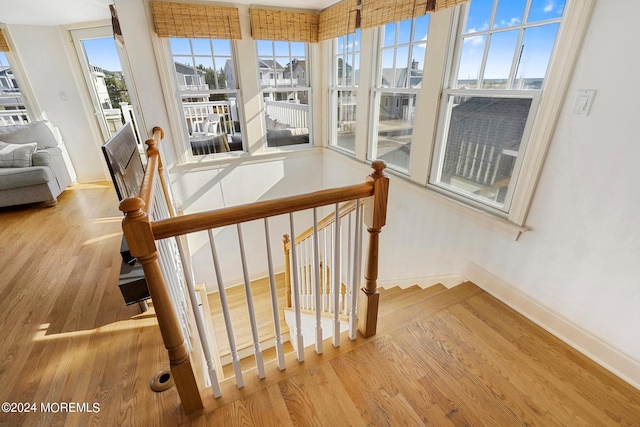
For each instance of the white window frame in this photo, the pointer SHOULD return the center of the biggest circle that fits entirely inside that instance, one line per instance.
(336, 86)
(440, 53)
(179, 110)
(378, 89)
(268, 90)
(30, 105)
(450, 89)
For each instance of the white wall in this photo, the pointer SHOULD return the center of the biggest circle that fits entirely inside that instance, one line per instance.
(582, 254)
(49, 71)
(240, 183)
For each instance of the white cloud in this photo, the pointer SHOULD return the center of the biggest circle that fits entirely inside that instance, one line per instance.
(549, 6)
(511, 22)
(474, 41)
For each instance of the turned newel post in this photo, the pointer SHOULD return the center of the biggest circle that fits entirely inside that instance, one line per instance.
(286, 245)
(375, 215)
(137, 231)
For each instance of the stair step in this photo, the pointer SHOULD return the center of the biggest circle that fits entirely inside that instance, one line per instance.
(392, 320)
(409, 296)
(394, 290)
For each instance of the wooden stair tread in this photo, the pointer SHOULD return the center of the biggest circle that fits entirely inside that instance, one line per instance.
(387, 323)
(396, 301)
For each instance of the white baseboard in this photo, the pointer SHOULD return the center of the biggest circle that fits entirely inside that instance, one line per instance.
(594, 347)
(89, 178)
(448, 281)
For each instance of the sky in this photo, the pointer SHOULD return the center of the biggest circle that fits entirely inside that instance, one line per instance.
(538, 41)
(103, 53)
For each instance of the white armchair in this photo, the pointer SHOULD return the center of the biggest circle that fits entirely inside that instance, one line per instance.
(208, 127)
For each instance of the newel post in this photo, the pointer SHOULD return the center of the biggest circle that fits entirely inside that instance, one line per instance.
(375, 216)
(137, 231)
(286, 245)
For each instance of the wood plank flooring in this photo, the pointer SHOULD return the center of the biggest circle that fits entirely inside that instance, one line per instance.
(452, 357)
(66, 333)
(236, 298)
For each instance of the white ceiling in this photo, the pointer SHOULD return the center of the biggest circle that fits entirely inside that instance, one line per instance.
(64, 12)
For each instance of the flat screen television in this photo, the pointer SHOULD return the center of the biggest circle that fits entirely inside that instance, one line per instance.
(124, 162)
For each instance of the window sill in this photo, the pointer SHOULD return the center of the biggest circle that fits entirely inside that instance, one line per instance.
(243, 158)
(478, 216)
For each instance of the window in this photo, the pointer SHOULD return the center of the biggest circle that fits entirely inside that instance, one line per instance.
(12, 106)
(496, 82)
(286, 91)
(401, 56)
(209, 95)
(346, 71)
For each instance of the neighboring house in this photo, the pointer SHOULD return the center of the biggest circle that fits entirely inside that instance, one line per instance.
(481, 162)
(7, 79)
(230, 75)
(576, 257)
(399, 106)
(296, 70)
(98, 75)
(270, 72)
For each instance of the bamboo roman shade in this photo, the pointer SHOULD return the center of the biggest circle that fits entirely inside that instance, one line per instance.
(270, 24)
(338, 20)
(195, 20)
(382, 12)
(4, 46)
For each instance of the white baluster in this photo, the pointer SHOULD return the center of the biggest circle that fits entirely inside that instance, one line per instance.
(357, 265)
(325, 291)
(257, 351)
(306, 279)
(200, 324)
(316, 290)
(296, 293)
(336, 280)
(274, 301)
(332, 250)
(235, 358)
(350, 262)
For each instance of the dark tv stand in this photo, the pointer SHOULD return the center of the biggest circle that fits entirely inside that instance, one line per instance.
(132, 282)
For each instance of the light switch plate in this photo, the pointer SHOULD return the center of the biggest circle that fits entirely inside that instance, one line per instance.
(583, 102)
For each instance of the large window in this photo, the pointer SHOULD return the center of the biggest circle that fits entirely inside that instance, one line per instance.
(206, 79)
(12, 106)
(488, 108)
(401, 59)
(283, 71)
(346, 72)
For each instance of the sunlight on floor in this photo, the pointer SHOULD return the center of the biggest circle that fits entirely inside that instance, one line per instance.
(41, 333)
(98, 239)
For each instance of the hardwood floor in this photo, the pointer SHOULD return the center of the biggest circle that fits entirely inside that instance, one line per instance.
(441, 357)
(66, 334)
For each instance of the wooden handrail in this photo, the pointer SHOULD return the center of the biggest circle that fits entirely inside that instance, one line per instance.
(136, 226)
(141, 233)
(344, 210)
(154, 162)
(234, 215)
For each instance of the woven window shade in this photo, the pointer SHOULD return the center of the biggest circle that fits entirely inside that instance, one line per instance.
(382, 12)
(195, 20)
(269, 24)
(443, 4)
(338, 20)
(4, 46)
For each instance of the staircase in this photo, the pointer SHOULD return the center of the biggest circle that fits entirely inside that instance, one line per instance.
(392, 302)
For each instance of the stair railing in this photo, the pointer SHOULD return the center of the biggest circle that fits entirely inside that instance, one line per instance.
(304, 243)
(145, 231)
